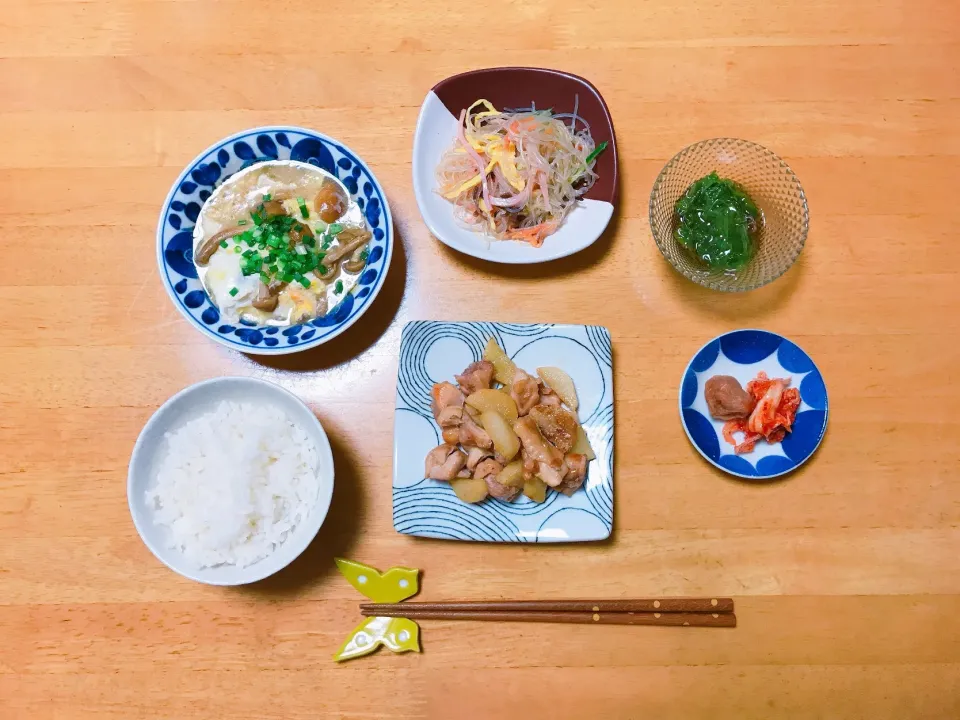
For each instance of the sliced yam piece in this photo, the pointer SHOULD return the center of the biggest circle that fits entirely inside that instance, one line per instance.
(495, 401)
(505, 440)
(582, 444)
(562, 384)
(512, 475)
(470, 490)
(535, 489)
(503, 365)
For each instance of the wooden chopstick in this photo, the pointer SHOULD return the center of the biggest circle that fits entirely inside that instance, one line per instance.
(662, 605)
(672, 619)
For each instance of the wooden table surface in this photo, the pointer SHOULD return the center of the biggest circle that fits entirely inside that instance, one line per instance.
(846, 574)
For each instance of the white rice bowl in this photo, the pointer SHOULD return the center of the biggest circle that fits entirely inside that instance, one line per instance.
(230, 480)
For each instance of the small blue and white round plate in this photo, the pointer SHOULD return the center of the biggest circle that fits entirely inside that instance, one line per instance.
(742, 354)
(217, 163)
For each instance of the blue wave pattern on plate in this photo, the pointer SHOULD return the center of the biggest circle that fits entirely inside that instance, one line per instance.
(743, 353)
(175, 236)
(434, 351)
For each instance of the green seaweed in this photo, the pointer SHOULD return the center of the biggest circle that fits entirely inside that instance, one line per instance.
(718, 222)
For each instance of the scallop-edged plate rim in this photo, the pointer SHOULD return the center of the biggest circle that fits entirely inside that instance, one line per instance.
(477, 245)
(728, 471)
(291, 549)
(319, 339)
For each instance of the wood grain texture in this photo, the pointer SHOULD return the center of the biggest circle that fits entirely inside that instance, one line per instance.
(846, 574)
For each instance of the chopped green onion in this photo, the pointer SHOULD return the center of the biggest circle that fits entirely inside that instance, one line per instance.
(236, 248)
(326, 242)
(338, 288)
(303, 208)
(267, 197)
(364, 254)
(223, 243)
(248, 253)
(287, 277)
(257, 220)
(303, 281)
(233, 292)
(335, 228)
(322, 269)
(264, 278)
(241, 222)
(596, 151)
(309, 241)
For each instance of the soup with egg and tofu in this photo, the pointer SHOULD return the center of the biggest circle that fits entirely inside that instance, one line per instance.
(279, 243)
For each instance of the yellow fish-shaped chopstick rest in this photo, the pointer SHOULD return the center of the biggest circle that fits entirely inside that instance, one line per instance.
(395, 585)
(397, 634)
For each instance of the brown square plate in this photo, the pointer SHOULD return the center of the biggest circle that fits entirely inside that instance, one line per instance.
(513, 87)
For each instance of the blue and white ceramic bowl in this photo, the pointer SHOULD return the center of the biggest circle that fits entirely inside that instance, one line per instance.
(742, 354)
(431, 352)
(206, 172)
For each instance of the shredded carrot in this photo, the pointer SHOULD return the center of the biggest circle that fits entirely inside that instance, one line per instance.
(534, 235)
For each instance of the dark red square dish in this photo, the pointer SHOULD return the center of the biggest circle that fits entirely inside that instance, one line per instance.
(513, 87)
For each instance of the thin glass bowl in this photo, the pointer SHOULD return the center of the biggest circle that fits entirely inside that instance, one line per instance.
(769, 182)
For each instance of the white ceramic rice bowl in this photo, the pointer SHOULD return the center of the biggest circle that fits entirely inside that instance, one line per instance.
(188, 404)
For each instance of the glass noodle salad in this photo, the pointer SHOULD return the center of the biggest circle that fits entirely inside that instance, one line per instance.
(514, 175)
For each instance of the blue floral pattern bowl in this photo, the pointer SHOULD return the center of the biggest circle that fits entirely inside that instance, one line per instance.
(742, 354)
(214, 165)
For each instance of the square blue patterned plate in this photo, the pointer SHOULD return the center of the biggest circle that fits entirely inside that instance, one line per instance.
(431, 352)
(742, 354)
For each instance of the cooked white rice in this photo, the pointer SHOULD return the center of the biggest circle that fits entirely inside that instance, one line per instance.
(233, 484)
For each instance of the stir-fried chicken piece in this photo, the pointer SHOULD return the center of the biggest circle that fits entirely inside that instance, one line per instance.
(443, 396)
(576, 466)
(450, 416)
(475, 455)
(473, 434)
(447, 405)
(444, 462)
(525, 391)
(529, 464)
(488, 471)
(550, 475)
(568, 477)
(557, 425)
(477, 376)
(534, 444)
(549, 397)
